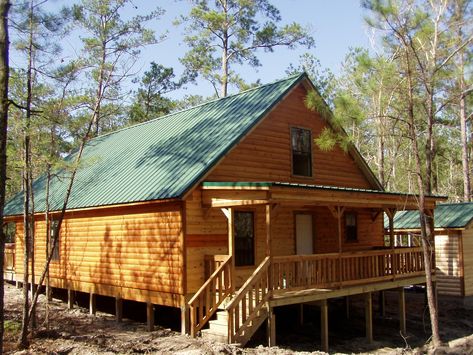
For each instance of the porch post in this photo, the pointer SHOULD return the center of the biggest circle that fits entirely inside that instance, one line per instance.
(92, 303)
(369, 317)
(324, 325)
(70, 298)
(402, 311)
(184, 319)
(268, 230)
(339, 217)
(271, 327)
(391, 212)
(118, 309)
(269, 244)
(149, 316)
(231, 246)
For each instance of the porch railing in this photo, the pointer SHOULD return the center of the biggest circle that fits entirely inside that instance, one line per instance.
(344, 269)
(249, 302)
(212, 263)
(213, 292)
(9, 263)
(287, 273)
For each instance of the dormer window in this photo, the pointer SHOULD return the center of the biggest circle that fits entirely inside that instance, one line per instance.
(301, 152)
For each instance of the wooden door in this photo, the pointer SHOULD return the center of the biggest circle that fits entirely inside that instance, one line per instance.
(304, 234)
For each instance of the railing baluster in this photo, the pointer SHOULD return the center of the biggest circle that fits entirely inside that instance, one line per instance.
(212, 293)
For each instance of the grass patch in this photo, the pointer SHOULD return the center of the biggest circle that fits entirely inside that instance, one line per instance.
(12, 326)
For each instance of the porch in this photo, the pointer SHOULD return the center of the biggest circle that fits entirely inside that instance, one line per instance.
(278, 280)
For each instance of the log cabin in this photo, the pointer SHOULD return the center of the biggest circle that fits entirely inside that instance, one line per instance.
(453, 245)
(226, 211)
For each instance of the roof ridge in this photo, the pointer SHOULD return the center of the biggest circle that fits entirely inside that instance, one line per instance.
(290, 77)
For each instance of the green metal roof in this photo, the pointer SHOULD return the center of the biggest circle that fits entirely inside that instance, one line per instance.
(162, 158)
(448, 215)
(251, 184)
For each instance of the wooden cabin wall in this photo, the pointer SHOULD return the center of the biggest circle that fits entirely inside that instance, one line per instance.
(134, 253)
(265, 154)
(370, 232)
(467, 254)
(447, 260)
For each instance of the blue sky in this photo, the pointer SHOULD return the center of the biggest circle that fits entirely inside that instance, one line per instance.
(336, 26)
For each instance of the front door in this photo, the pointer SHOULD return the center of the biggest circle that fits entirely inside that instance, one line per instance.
(304, 234)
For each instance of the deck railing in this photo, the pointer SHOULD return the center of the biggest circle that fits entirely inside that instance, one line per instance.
(212, 263)
(248, 302)
(344, 269)
(213, 292)
(9, 263)
(288, 273)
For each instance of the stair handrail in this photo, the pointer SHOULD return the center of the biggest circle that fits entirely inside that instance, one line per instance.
(259, 283)
(210, 296)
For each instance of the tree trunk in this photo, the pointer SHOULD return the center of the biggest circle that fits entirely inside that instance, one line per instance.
(463, 131)
(380, 154)
(225, 39)
(422, 185)
(32, 245)
(4, 75)
(464, 148)
(26, 187)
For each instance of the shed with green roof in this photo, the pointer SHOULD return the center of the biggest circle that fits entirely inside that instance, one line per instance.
(183, 210)
(453, 244)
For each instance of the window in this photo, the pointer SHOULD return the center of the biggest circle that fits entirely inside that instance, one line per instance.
(53, 243)
(351, 233)
(301, 152)
(244, 238)
(9, 231)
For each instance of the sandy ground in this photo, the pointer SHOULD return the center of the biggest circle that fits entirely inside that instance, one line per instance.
(76, 332)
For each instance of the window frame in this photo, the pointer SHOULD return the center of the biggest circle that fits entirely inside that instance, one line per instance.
(310, 160)
(349, 235)
(253, 239)
(6, 232)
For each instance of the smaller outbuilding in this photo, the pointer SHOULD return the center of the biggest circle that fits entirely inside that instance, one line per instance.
(453, 244)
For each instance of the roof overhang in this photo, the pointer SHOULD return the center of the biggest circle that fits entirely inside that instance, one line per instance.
(78, 211)
(232, 194)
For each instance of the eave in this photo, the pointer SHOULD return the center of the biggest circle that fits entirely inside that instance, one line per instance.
(228, 194)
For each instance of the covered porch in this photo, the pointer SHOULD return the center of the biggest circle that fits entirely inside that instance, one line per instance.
(294, 274)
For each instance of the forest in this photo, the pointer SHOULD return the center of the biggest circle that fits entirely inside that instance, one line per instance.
(406, 102)
(52, 102)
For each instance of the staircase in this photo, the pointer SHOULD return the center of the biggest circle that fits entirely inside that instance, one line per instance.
(218, 327)
(238, 315)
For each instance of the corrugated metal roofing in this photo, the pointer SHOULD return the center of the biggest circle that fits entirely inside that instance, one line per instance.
(448, 215)
(162, 158)
(300, 186)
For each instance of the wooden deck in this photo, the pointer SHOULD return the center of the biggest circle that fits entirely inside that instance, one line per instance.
(317, 294)
(297, 279)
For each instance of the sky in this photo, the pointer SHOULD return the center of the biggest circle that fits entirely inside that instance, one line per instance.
(336, 25)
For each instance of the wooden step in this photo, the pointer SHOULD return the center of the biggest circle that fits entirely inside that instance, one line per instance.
(215, 335)
(220, 325)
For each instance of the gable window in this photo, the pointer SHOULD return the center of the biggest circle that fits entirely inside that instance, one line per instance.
(54, 241)
(351, 232)
(301, 152)
(244, 238)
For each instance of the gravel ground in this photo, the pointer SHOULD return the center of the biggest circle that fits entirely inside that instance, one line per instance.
(76, 332)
